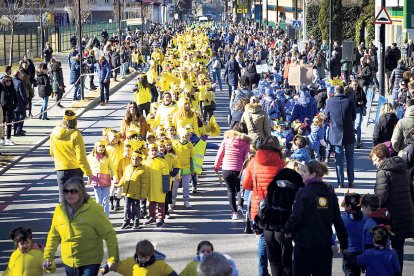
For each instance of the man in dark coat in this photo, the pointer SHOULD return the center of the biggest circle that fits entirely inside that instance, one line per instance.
(232, 73)
(335, 65)
(396, 77)
(341, 114)
(74, 76)
(395, 193)
(21, 104)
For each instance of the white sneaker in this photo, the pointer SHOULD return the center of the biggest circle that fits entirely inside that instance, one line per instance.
(187, 204)
(9, 142)
(234, 216)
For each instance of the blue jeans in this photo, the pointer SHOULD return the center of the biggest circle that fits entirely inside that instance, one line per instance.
(358, 122)
(44, 107)
(87, 270)
(76, 91)
(124, 67)
(131, 209)
(339, 162)
(19, 116)
(262, 255)
(102, 197)
(217, 77)
(231, 89)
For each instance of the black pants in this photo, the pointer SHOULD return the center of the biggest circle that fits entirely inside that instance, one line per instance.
(91, 84)
(279, 252)
(207, 112)
(233, 188)
(349, 268)
(8, 117)
(144, 107)
(64, 175)
(315, 260)
(397, 244)
(154, 93)
(104, 87)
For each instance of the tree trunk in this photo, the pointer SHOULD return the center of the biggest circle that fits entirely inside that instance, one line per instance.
(11, 45)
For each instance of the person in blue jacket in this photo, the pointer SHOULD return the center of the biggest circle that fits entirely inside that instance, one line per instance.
(74, 76)
(104, 79)
(354, 221)
(305, 108)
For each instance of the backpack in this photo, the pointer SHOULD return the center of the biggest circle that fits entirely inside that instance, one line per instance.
(274, 211)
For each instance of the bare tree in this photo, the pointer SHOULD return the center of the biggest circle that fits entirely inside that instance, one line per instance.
(11, 11)
(41, 9)
(85, 11)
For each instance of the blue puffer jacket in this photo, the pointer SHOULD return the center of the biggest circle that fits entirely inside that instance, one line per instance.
(301, 155)
(74, 70)
(304, 108)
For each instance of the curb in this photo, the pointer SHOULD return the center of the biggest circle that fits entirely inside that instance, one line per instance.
(93, 103)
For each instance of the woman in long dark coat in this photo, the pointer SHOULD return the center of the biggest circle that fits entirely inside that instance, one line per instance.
(395, 192)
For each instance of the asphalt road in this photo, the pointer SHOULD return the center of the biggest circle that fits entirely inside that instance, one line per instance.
(28, 195)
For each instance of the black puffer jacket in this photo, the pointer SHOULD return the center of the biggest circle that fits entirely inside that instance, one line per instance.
(395, 192)
(44, 88)
(384, 128)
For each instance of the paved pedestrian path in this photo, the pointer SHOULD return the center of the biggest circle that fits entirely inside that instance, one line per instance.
(28, 195)
(38, 130)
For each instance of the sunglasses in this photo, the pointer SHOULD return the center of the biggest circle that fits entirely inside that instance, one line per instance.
(71, 191)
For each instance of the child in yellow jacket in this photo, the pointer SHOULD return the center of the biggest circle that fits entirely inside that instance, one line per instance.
(146, 261)
(103, 171)
(135, 183)
(115, 149)
(171, 159)
(185, 153)
(204, 248)
(27, 259)
(160, 184)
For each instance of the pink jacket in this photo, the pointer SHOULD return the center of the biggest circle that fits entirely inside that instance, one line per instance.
(233, 151)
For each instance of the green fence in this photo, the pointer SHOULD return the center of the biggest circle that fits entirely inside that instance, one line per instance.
(29, 38)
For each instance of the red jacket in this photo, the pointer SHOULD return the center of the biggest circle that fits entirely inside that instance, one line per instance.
(268, 163)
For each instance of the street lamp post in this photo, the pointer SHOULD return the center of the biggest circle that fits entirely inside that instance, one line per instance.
(80, 49)
(119, 22)
(330, 31)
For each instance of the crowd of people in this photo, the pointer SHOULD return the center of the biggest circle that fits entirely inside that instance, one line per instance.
(273, 159)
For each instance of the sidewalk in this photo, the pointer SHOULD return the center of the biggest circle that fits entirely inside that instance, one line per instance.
(38, 131)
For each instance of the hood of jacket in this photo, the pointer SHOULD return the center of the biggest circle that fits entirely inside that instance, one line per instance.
(253, 108)
(409, 112)
(319, 187)
(395, 164)
(305, 99)
(62, 133)
(159, 256)
(237, 135)
(267, 157)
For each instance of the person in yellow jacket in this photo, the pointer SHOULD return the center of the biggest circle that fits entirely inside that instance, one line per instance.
(142, 96)
(171, 159)
(185, 116)
(165, 110)
(115, 150)
(152, 76)
(150, 262)
(67, 149)
(125, 161)
(27, 259)
(185, 154)
(103, 171)
(209, 104)
(203, 249)
(159, 185)
(79, 226)
(135, 183)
